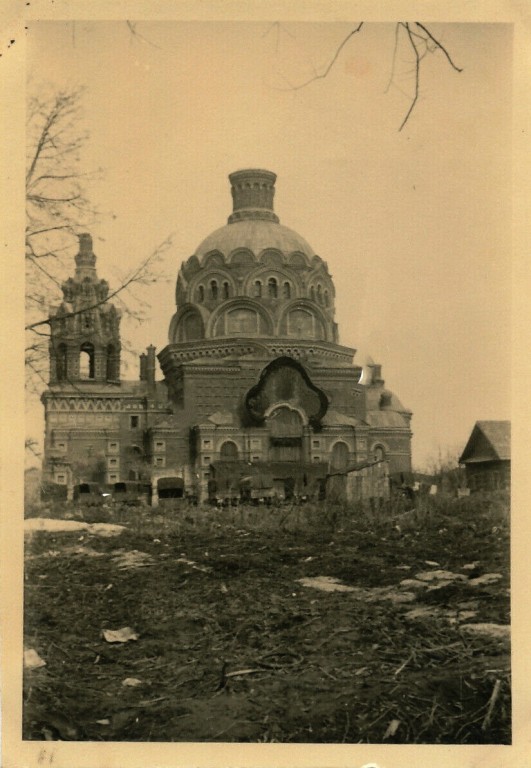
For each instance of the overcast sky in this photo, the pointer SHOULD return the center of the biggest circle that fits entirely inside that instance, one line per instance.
(414, 225)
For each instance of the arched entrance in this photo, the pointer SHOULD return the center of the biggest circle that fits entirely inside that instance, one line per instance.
(228, 451)
(285, 430)
(339, 457)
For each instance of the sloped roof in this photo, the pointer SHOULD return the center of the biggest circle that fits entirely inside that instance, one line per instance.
(222, 418)
(489, 441)
(334, 418)
(386, 418)
(171, 421)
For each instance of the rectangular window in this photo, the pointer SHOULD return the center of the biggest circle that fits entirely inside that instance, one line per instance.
(112, 463)
(316, 444)
(160, 446)
(207, 443)
(317, 458)
(112, 446)
(255, 458)
(206, 459)
(61, 445)
(134, 422)
(60, 479)
(113, 477)
(160, 461)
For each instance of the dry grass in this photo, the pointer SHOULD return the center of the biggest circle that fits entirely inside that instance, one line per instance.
(231, 646)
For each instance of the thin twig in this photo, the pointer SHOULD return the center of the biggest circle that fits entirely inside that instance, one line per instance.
(133, 31)
(439, 45)
(405, 663)
(137, 276)
(347, 726)
(417, 77)
(322, 75)
(492, 702)
(392, 76)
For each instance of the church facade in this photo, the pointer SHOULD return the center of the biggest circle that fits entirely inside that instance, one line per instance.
(256, 384)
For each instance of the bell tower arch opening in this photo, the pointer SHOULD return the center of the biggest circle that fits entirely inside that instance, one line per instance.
(86, 361)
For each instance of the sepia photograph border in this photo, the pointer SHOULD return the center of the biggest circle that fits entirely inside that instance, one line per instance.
(21, 754)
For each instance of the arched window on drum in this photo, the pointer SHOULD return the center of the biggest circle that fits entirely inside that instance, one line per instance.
(302, 323)
(272, 288)
(191, 327)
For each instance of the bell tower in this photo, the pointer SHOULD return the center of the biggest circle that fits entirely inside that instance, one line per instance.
(85, 328)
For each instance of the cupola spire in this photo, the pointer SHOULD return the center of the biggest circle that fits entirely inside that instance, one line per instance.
(86, 259)
(253, 191)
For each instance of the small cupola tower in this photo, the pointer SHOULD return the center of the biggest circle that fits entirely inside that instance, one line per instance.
(85, 328)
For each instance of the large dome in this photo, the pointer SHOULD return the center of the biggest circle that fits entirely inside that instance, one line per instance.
(254, 277)
(254, 227)
(256, 236)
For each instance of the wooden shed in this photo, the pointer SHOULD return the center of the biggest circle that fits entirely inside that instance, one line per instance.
(487, 456)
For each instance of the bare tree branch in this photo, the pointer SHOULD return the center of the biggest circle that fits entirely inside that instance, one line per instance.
(31, 445)
(135, 33)
(417, 76)
(58, 208)
(140, 275)
(421, 40)
(322, 75)
(392, 75)
(439, 45)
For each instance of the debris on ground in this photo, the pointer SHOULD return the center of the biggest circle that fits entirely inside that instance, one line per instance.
(325, 584)
(488, 629)
(126, 559)
(439, 575)
(392, 728)
(50, 525)
(123, 635)
(487, 578)
(32, 660)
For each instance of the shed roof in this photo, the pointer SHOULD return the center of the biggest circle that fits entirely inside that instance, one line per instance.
(489, 441)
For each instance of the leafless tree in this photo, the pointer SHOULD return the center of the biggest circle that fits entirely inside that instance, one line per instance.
(58, 209)
(416, 36)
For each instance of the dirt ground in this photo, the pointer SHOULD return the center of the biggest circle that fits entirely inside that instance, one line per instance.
(270, 625)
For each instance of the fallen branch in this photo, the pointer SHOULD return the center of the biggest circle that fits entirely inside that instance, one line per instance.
(239, 672)
(492, 701)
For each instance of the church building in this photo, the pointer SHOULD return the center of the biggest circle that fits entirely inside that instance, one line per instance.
(255, 381)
